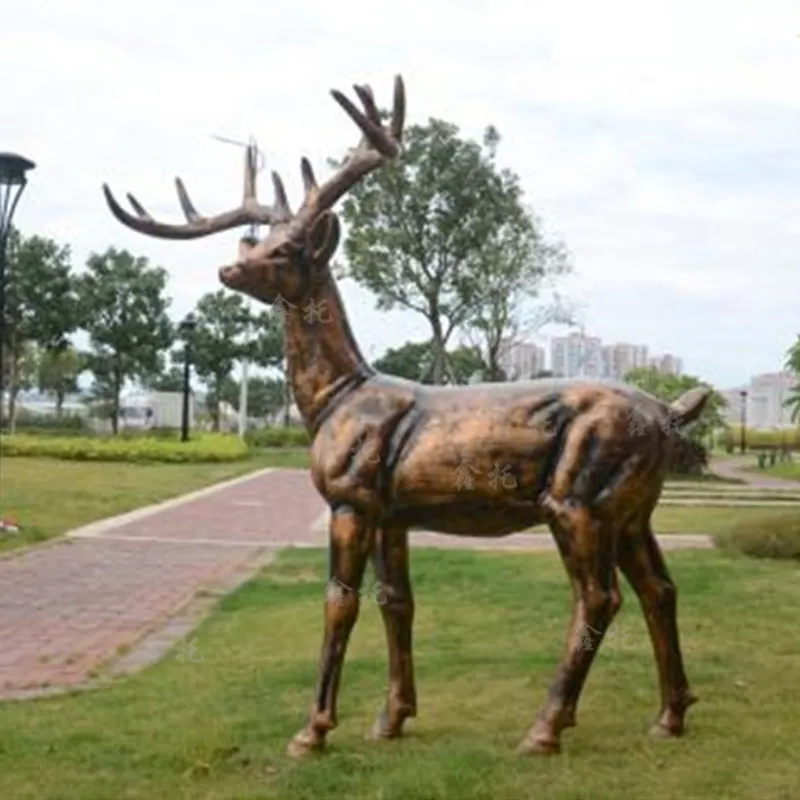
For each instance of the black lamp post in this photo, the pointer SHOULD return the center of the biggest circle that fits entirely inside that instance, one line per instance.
(13, 178)
(742, 440)
(187, 329)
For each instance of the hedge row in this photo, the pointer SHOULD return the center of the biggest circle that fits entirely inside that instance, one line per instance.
(200, 448)
(764, 440)
(277, 437)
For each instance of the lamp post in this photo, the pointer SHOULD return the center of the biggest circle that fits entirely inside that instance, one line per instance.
(187, 330)
(13, 179)
(742, 441)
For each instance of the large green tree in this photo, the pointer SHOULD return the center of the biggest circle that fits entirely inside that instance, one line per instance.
(414, 361)
(221, 339)
(411, 361)
(124, 308)
(41, 307)
(669, 387)
(440, 229)
(58, 373)
(270, 353)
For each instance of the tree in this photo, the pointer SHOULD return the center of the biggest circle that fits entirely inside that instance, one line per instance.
(123, 302)
(411, 361)
(793, 365)
(414, 361)
(464, 362)
(265, 396)
(222, 322)
(430, 231)
(41, 307)
(58, 373)
(270, 352)
(668, 387)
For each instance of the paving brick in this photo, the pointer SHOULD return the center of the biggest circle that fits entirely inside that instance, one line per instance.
(67, 607)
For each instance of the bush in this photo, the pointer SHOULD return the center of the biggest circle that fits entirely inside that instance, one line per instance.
(777, 538)
(200, 448)
(277, 437)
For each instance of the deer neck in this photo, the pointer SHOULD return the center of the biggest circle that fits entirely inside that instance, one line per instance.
(323, 358)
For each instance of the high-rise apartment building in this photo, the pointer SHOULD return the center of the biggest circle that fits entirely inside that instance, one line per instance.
(766, 394)
(521, 360)
(577, 355)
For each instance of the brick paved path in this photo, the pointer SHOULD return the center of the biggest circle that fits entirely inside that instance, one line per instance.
(67, 607)
(72, 611)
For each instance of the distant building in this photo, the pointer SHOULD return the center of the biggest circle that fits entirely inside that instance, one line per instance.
(521, 360)
(667, 364)
(766, 394)
(577, 355)
(620, 359)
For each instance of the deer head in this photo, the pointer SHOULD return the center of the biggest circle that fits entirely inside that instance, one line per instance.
(299, 246)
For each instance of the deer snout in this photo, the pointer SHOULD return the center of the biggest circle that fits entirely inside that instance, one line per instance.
(230, 275)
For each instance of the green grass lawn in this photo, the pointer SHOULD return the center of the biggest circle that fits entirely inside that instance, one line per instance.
(47, 497)
(789, 472)
(489, 633)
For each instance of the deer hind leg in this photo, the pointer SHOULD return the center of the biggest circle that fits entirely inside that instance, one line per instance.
(642, 563)
(586, 545)
(350, 545)
(396, 600)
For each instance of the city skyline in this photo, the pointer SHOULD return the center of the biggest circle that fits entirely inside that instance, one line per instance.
(577, 354)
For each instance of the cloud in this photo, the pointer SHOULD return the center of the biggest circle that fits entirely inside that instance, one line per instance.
(660, 140)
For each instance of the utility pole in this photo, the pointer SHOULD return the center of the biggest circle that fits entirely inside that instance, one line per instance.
(243, 383)
(252, 146)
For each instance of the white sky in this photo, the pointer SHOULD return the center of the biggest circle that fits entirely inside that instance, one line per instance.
(659, 139)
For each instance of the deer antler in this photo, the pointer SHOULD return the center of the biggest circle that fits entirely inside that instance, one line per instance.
(378, 144)
(248, 213)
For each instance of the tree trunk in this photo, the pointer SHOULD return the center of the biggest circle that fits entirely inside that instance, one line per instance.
(13, 384)
(287, 402)
(60, 393)
(216, 409)
(437, 343)
(116, 388)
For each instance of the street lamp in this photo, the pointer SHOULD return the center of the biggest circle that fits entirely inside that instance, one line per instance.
(13, 178)
(187, 329)
(742, 442)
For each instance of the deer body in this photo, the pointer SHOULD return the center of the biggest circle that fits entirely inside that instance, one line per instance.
(389, 456)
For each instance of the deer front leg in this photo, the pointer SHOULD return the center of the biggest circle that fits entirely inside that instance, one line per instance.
(390, 560)
(350, 545)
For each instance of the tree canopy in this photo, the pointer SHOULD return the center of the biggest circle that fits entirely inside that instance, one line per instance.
(668, 387)
(124, 307)
(444, 232)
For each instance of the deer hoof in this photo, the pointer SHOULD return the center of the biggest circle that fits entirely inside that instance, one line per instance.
(660, 731)
(539, 747)
(384, 730)
(304, 744)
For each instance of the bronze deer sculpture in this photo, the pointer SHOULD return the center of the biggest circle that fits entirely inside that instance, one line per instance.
(385, 453)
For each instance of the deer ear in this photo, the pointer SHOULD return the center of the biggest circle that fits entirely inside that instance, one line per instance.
(324, 237)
